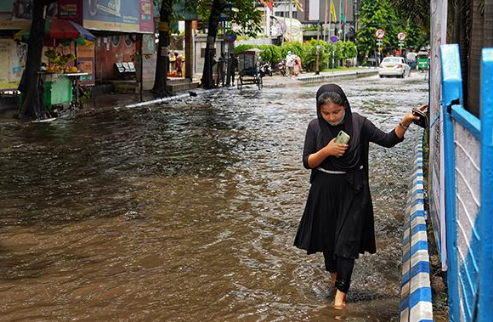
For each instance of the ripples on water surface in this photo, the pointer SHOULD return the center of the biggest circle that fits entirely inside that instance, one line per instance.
(187, 211)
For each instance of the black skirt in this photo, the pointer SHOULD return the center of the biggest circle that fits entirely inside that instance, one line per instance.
(338, 219)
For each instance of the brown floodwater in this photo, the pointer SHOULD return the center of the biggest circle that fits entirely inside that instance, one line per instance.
(187, 211)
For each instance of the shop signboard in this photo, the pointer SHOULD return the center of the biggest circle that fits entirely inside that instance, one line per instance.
(71, 10)
(119, 15)
(148, 44)
(109, 15)
(86, 61)
(13, 58)
(15, 14)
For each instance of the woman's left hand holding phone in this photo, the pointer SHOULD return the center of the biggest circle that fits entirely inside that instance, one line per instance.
(335, 149)
(331, 149)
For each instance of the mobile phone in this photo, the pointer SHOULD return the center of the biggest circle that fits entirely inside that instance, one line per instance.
(342, 138)
(423, 118)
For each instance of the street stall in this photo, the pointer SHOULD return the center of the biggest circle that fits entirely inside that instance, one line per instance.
(60, 81)
(61, 77)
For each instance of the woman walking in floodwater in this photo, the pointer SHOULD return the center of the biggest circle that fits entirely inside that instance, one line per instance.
(338, 216)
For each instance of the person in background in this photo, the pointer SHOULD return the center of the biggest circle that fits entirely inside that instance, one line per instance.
(224, 70)
(178, 65)
(232, 66)
(172, 61)
(296, 65)
(222, 61)
(290, 63)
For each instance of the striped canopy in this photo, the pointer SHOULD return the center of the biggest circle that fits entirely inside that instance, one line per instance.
(60, 31)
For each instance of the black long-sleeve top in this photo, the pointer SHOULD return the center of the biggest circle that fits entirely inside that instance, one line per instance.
(369, 133)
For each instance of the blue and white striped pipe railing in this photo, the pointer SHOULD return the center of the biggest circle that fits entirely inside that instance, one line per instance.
(416, 305)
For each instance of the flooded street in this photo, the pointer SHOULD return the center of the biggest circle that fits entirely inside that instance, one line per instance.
(187, 211)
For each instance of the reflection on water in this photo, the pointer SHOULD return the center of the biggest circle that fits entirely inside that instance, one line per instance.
(188, 210)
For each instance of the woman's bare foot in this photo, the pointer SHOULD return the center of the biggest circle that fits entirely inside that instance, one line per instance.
(340, 300)
(333, 277)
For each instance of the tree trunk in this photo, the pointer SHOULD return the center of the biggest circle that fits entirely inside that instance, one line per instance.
(207, 75)
(162, 64)
(32, 105)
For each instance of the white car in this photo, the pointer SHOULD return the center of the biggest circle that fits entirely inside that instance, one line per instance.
(394, 66)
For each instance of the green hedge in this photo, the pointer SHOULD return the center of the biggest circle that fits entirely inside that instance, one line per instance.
(307, 51)
(240, 48)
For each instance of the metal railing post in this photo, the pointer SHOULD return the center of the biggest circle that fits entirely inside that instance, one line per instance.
(451, 95)
(485, 311)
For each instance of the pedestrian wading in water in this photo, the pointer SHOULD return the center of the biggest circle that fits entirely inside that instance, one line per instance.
(338, 216)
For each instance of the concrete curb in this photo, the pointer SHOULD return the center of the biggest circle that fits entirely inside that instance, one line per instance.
(158, 101)
(196, 92)
(311, 78)
(316, 78)
(416, 303)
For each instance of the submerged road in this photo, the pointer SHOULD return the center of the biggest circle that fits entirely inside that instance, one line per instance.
(187, 211)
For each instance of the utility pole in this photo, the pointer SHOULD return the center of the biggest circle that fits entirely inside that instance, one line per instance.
(355, 14)
(267, 21)
(355, 22)
(317, 63)
(338, 18)
(290, 17)
(330, 21)
(325, 21)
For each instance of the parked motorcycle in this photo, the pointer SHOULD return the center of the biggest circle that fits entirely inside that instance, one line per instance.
(265, 69)
(281, 66)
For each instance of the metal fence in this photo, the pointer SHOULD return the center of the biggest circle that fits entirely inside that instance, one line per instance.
(468, 153)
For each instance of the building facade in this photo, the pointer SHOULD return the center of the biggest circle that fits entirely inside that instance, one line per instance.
(313, 15)
(122, 27)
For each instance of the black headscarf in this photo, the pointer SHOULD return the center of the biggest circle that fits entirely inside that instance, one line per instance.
(351, 160)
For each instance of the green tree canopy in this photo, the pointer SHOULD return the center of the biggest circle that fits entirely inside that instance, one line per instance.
(416, 37)
(416, 11)
(377, 14)
(241, 13)
(393, 17)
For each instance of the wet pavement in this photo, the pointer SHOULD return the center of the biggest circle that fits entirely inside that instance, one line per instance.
(186, 211)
